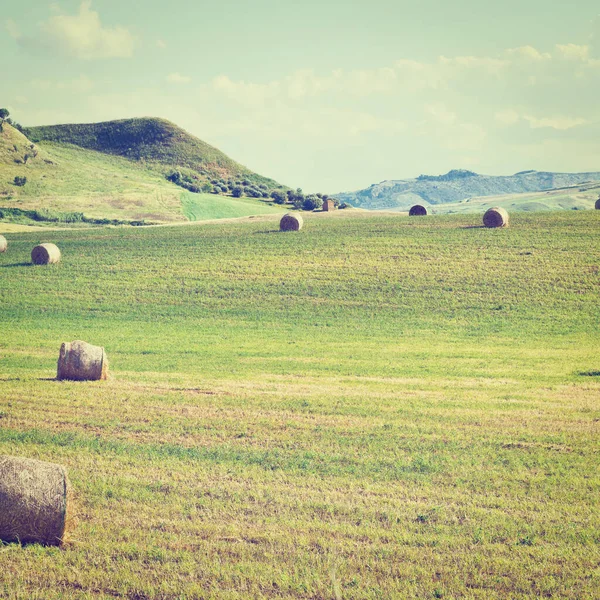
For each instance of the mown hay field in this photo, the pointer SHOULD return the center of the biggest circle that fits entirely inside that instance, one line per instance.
(373, 407)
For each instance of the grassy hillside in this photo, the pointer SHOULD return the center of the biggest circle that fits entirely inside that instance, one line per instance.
(201, 207)
(151, 140)
(374, 407)
(63, 178)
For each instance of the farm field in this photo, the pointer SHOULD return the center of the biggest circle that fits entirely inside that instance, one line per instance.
(576, 198)
(374, 407)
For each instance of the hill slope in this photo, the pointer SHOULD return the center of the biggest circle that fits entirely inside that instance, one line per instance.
(458, 185)
(101, 177)
(152, 140)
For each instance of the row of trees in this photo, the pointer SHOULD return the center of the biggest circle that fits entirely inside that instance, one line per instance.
(301, 201)
(245, 187)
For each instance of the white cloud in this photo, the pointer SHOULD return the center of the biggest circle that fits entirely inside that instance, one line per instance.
(178, 78)
(161, 44)
(507, 117)
(556, 122)
(484, 63)
(81, 84)
(574, 52)
(81, 36)
(13, 29)
(440, 113)
(528, 53)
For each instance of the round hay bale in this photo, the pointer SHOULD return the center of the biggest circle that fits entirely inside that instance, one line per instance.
(34, 501)
(3, 244)
(80, 361)
(291, 222)
(597, 205)
(495, 217)
(417, 211)
(45, 254)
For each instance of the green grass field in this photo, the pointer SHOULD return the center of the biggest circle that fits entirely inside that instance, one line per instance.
(203, 207)
(374, 407)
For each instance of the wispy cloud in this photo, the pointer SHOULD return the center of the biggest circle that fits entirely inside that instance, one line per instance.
(80, 84)
(81, 36)
(13, 29)
(178, 78)
(559, 122)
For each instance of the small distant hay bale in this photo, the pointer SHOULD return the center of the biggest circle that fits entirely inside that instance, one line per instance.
(291, 222)
(80, 361)
(34, 501)
(597, 205)
(495, 217)
(45, 254)
(417, 211)
(3, 244)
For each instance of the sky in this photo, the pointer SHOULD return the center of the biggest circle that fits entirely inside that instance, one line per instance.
(326, 95)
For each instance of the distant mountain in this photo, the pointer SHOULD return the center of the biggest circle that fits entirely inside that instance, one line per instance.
(457, 185)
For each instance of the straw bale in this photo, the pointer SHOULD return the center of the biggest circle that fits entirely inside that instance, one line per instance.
(495, 217)
(417, 211)
(3, 244)
(80, 361)
(34, 501)
(291, 222)
(45, 254)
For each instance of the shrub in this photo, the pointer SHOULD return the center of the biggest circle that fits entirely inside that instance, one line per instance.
(279, 196)
(311, 203)
(20, 181)
(237, 191)
(174, 177)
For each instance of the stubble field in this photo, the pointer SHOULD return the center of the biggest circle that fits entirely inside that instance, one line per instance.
(374, 407)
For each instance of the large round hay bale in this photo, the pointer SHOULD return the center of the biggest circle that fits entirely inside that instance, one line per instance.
(417, 211)
(34, 501)
(80, 361)
(495, 217)
(597, 205)
(291, 222)
(45, 254)
(3, 244)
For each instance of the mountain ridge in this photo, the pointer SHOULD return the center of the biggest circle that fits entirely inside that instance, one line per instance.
(458, 185)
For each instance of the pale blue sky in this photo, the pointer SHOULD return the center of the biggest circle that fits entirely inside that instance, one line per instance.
(326, 95)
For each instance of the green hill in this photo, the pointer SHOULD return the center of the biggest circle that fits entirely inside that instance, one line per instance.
(119, 171)
(152, 140)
